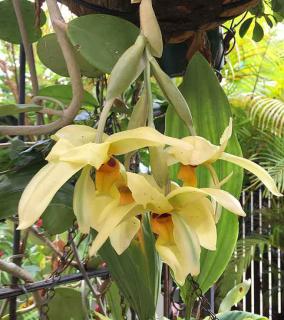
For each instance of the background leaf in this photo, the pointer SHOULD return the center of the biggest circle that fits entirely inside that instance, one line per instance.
(239, 315)
(9, 30)
(67, 302)
(245, 26)
(14, 109)
(234, 296)
(63, 93)
(50, 54)
(102, 39)
(58, 216)
(258, 32)
(114, 301)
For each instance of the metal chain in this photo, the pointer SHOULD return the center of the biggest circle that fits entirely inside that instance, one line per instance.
(64, 262)
(204, 303)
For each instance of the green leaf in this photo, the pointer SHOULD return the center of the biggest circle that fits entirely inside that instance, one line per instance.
(211, 112)
(58, 216)
(278, 7)
(258, 32)
(245, 26)
(64, 93)
(239, 315)
(268, 21)
(9, 30)
(67, 302)
(114, 302)
(50, 54)
(136, 272)
(102, 39)
(14, 109)
(234, 296)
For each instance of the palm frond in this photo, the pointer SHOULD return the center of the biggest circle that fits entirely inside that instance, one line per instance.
(267, 114)
(269, 153)
(264, 112)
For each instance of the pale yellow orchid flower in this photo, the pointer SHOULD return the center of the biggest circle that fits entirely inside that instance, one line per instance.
(116, 216)
(183, 221)
(75, 149)
(204, 153)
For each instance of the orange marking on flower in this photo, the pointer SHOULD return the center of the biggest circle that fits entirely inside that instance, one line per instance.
(125, 195)
(107, 174)
(162, 225)
(187, 174)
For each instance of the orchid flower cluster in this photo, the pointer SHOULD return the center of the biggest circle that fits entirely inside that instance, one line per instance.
(112, 200)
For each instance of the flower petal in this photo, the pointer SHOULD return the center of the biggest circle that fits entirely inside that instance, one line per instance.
(188, 245)
(185, 195)
(254, 168)
(199, 215)
(146, 195)
(223, 141)
(178, 247)
(62, 146)
(94, 154)
(130, 140)
(84, 204)
(101, 201)
(41, 189)
(226, 135)
(76, 134)
(201, 151)
(123, 234)
(113, 215)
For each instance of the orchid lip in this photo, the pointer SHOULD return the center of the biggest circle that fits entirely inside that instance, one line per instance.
(161, 215)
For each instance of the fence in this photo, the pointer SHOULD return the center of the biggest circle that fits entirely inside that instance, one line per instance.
(266, 296)
(266, 268)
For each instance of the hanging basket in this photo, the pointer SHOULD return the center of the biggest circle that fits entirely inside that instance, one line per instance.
(178, 19)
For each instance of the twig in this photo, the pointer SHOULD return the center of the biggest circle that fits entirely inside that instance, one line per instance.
(103, 117)
(54, 100)
(46, 241)
(51, 112)
(27, 45)
(20, 273)
(85, 275)
(50, 244)
(8, 144)
(75, 77)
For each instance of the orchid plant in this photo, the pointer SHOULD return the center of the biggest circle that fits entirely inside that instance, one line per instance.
(182, 217)
(111, 199)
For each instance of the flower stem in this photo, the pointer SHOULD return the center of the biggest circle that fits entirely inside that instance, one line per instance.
(213, 175)
(102, 121)
(147, 82)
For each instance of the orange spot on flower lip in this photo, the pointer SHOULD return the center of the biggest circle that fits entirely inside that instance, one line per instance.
(187, 174)
(125, 195)
(162, 225)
